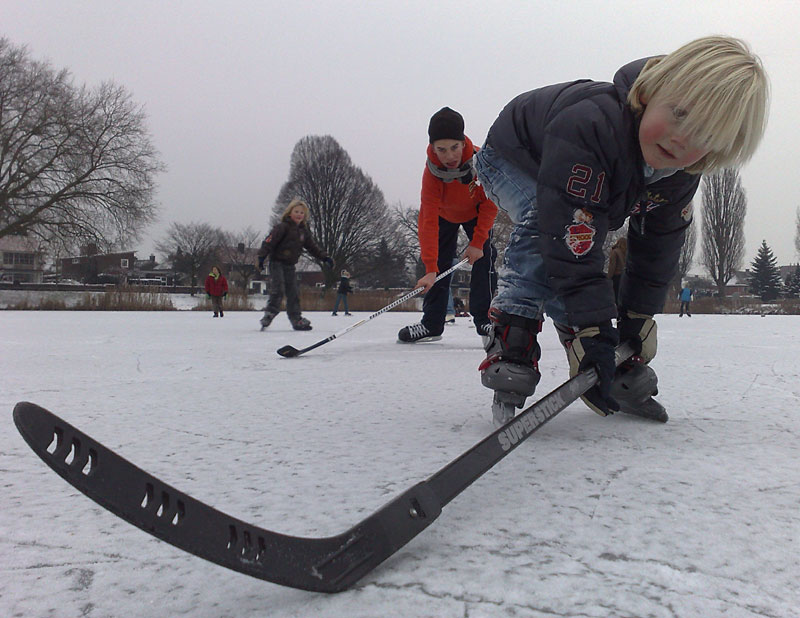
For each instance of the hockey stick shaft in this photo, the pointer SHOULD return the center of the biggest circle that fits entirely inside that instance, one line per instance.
(463, 471)
(290, 352)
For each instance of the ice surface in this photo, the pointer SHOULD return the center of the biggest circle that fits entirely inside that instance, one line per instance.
(590, 517)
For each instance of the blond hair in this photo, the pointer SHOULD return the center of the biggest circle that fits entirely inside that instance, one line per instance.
(296, 202)
(724, 89)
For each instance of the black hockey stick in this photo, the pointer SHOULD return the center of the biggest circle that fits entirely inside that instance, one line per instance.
(290, 351)
(329, 564)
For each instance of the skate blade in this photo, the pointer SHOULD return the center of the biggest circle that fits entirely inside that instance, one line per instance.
(423, 340)
(650, 409)
(502, 413)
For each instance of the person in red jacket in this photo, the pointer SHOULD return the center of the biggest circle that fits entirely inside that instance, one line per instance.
(450, 200)
(217, 289)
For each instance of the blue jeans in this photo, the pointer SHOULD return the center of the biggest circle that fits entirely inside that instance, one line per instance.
(341, 297)
(522, 287)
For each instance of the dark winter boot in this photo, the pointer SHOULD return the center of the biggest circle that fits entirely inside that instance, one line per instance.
(511, 367)
(266, 320)
(222, 314)
(301, 324)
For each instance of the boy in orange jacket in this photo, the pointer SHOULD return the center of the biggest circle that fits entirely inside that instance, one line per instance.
(451, 199)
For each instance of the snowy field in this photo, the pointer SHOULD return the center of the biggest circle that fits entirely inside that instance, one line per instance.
(589, 517)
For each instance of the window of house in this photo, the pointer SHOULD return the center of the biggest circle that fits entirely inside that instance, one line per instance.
(17, 258)
(123, 262)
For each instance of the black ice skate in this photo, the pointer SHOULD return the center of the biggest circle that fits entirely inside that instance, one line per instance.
(511, 367)
(416, 333)
(266, 320)
(634, 387)
(301, 324)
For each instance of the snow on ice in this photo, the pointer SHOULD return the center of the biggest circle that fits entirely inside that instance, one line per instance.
(589, 517)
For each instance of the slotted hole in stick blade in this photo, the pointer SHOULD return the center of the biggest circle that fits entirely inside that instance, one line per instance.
(164, 504)
(179, 513)
(246, 544)
(232, 539)
(261, 552)
(72, 451)
(148, 495)
(417, 508)
(58, 434)
(91, 463)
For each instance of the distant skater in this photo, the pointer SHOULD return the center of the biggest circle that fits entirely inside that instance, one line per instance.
(283, 247)
(341, 293)
(686, 298)
(217, 289)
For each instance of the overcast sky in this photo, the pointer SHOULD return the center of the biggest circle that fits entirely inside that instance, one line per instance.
(230, 87)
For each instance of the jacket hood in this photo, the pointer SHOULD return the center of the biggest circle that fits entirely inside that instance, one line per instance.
(626, 75)
(469, 150)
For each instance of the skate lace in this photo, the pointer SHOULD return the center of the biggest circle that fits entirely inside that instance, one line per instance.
(417, 331)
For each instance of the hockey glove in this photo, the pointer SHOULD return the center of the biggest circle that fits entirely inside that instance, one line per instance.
(640, 331)
(594, 346)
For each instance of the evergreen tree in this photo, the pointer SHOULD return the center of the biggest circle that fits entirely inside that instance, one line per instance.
(765, 276)
(792, 285)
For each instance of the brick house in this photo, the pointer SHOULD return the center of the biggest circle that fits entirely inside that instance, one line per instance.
(90, 265)
(20, 260)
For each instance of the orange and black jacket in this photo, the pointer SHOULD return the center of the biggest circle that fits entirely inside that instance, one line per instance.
(452, 201)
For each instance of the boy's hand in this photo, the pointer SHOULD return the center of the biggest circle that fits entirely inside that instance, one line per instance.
(640, 330)
(473, 254)
(426, 282)
(594, 346)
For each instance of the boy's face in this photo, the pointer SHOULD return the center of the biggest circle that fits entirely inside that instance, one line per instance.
(298, 214)
(449, 152)
(661, 140)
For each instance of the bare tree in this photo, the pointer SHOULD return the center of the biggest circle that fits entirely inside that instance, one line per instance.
(686, 258)
(192, 248)
(239, 253)
(724, 209)
(74, 163)
(797, 233)
(407, 219)
(349, 215)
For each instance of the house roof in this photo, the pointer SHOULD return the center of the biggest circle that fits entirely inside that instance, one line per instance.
(21, 244)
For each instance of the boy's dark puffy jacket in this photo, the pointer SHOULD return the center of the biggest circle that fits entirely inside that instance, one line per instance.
(579, 141)
(344, 286)
(286, 242)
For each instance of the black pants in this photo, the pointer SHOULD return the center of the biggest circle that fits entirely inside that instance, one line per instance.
(482, 284)
(685, 307)
(282, 277)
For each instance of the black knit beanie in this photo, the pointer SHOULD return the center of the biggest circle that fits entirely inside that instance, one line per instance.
(446, 124)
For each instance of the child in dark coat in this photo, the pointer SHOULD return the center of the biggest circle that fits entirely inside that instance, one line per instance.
(283, 247)
(342, 292)
(571, 161)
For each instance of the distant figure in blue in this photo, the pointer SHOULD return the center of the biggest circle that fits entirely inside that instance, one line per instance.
(342, 292)
(686, 298)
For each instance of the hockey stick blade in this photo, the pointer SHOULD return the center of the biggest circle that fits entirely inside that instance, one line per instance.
(289, 351)
(328, 564)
